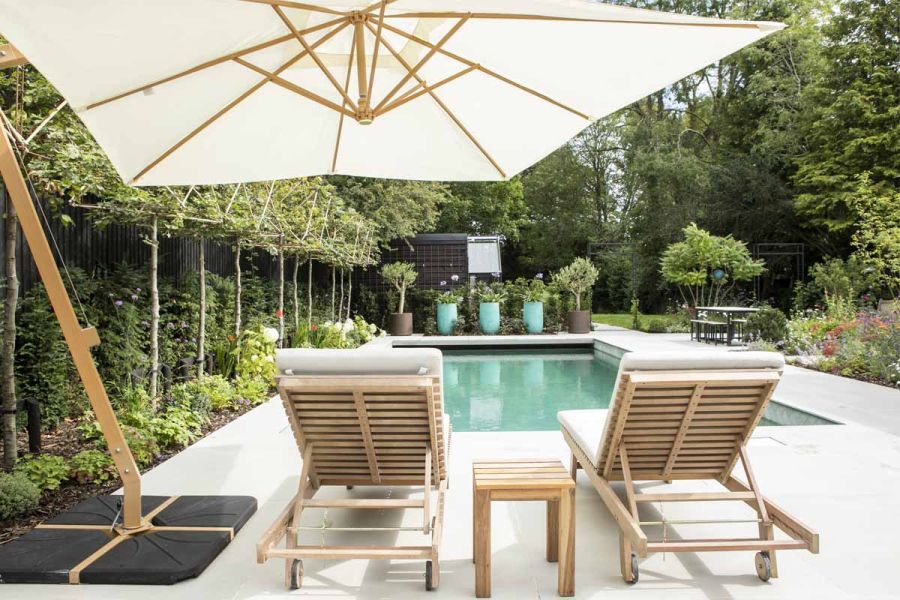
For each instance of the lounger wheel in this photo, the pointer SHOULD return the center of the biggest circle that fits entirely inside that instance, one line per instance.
(763, 565)
(429, 586)
(635, 572)
(296, 574)
(349, 487)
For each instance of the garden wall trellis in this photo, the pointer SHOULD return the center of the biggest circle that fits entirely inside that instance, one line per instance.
(436, 257)
(86, 246)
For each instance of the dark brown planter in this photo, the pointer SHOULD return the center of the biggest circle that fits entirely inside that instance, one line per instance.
(400, 324)
(579, 321)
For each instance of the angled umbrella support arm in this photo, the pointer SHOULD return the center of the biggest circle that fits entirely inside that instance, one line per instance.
(80, 340)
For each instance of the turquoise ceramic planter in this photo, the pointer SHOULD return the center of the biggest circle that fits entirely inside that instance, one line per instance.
(489, 317)
(533, 316)
(446, 318)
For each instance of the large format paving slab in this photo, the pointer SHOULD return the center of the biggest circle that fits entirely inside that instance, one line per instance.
(843, 480)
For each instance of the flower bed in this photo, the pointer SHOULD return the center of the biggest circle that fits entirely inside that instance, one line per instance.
(863, 346)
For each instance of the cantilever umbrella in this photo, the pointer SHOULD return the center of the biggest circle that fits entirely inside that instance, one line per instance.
(224, 91)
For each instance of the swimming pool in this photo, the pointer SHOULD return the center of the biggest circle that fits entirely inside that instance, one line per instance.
(522, 390)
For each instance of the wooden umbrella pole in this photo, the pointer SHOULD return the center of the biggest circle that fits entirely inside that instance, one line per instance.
(80, 340)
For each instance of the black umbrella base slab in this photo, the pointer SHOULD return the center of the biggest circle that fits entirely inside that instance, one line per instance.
(79, 545)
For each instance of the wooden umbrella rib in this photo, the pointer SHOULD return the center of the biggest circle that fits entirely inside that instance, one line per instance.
(299, 6)
(337, 140)
(421, 90)
(211, 63)
(230, 106)
(527, 17)
(486, 71)
(443, 106)
(312, 53)
(289, 85)
(383, 4)
(431, 52)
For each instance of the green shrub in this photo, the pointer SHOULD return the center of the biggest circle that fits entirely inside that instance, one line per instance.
(213, 392)
(18, 495)
(256, 354)
(92, 466)
(762, 346)
(46, 471)
(657, 325)
(251, 391)
(143, 445)
(635, 314)
(767, 324)
(177, 426)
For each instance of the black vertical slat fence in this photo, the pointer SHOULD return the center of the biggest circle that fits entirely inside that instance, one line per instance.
(84, 245)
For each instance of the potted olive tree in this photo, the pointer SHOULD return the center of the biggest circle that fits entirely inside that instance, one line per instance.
(578, 278)
(401, 275)
(533, 307)
(489, 309)
(447, 313)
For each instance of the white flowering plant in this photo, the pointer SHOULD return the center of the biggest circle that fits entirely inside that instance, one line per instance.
(256, 354)
(349, 333)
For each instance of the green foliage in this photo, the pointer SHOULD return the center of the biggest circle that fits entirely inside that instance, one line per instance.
(447, 298)
(256, 354)
(577, 278)
(350, 333)
(251, 390)
(398, 208)
(657, 325)
(44, 367)
(635, 314)
(536, 291)
(876, 241)
(143, 444)
(494, 292)
(176, 426)
(92, 466)
(217, 391)
(485, 208)
(18, 495)
(693, 265)
(46, 471)
(400, 275)
(853, 111)
(197, 396)
(836, 278)
(767, 324)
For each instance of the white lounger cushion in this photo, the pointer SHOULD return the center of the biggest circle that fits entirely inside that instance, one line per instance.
(381, 361)
(585, 427)
(706, 360)
(578, 423)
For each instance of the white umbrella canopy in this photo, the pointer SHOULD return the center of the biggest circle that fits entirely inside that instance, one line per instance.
(224, 91)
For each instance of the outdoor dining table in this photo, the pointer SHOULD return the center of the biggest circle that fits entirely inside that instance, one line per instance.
(730, 313)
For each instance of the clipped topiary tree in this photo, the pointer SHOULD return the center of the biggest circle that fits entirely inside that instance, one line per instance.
(401, 275)
(577, 278)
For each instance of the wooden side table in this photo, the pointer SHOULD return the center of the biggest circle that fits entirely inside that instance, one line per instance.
(525, 479)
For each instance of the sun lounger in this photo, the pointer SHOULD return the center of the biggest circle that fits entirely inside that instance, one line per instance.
(683, 416)
(363, 418)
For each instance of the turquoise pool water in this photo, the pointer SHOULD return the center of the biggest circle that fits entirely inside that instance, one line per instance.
(522, 390)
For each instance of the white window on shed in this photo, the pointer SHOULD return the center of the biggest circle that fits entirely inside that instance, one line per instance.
(484, 255)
